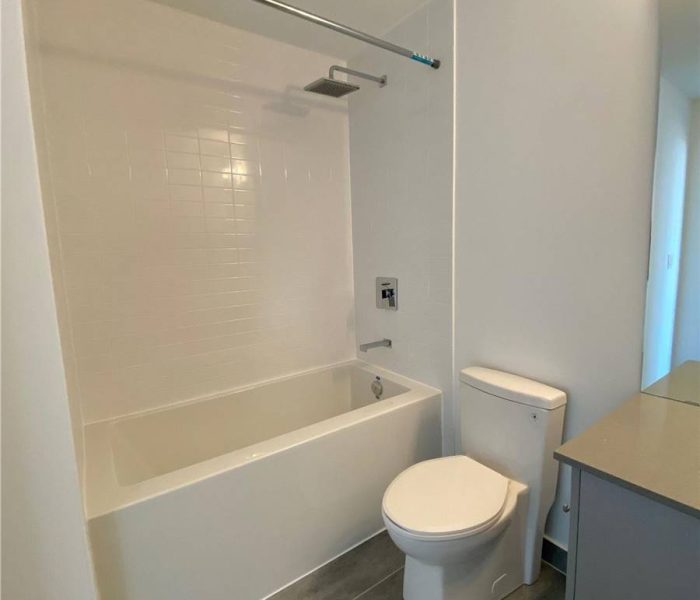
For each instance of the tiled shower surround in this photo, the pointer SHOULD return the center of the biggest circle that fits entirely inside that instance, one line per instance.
(402, 200)
(198, 204)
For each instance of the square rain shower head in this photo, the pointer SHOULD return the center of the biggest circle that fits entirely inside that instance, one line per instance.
(331, 87)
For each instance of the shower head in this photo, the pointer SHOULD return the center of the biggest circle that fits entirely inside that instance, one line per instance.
(330, 86)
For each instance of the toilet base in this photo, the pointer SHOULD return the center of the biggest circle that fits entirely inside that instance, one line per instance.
(492, 574)
(429, 582)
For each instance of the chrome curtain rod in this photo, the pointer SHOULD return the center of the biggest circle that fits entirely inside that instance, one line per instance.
(344, 29)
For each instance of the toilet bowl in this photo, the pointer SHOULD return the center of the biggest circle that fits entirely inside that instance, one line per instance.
(471, 525)
(458, 522)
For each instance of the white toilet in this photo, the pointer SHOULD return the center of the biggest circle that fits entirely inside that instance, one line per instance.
(471, 526)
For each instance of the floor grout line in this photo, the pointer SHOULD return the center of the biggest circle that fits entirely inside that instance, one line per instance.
(369, 589)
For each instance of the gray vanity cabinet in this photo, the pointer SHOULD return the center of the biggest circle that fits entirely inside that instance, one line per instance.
(626, 545)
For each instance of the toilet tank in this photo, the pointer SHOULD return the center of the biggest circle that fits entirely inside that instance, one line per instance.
(513, 425)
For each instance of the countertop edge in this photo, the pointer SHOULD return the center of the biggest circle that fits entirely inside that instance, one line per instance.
(689, 509)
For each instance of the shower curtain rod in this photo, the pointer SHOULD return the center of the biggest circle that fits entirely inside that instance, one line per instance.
(344, 29)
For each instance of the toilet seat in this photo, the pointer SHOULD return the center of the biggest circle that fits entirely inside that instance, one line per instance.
(454, 496)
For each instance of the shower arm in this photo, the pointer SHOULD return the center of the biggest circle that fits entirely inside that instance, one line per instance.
(380, 80)
(349, 31)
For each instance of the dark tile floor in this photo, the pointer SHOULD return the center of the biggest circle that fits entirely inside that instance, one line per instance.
(374, 571)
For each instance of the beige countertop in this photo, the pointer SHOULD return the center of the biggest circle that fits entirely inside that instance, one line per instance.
(683, 384)
(649, 444)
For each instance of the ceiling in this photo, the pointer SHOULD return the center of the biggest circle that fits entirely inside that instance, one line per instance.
(680, 44)
(371, 16)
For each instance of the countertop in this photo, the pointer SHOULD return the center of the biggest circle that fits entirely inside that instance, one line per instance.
(650, 445)
(683, 384)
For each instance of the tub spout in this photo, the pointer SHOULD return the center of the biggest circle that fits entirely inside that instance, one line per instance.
(385, 343)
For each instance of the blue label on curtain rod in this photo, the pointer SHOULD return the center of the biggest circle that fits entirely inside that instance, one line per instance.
(421, 58)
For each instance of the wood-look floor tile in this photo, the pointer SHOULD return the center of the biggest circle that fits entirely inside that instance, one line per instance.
(390, 588)
(373, 571)
(349, 575)
(550, 585)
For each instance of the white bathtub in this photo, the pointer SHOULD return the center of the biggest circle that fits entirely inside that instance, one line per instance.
(236, 496)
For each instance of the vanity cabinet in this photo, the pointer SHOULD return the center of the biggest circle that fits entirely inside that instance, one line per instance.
(625, 545)
(635, 504)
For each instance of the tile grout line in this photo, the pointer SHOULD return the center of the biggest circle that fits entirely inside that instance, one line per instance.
(369, 589)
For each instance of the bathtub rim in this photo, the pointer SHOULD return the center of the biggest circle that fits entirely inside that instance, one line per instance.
(103, 494)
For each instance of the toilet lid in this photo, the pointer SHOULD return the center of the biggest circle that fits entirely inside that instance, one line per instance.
(444, 496)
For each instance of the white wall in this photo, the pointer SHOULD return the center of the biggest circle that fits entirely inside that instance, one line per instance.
(44, 544)
(687, 330)
(555, 129)
(201, 204)
(401, 174)
(666, 230)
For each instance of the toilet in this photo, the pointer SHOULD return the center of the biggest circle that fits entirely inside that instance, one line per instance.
(471, 525)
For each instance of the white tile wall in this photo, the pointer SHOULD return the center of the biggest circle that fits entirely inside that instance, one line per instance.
(401, 166)
(203, 211)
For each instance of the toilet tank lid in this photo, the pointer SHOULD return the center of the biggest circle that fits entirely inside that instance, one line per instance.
(513, 387)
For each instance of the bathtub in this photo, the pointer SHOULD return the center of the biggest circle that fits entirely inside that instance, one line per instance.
(235, 496)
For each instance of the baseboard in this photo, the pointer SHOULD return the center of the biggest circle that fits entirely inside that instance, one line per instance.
(555, 556)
